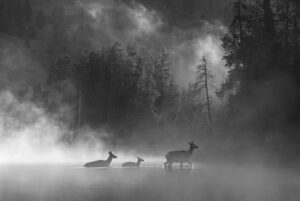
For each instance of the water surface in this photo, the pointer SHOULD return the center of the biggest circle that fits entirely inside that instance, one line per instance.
(151, 183)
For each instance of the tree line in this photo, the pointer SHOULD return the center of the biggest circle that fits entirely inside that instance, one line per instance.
(113, 87)
(262, 56)
(122, 87)
(119, 87)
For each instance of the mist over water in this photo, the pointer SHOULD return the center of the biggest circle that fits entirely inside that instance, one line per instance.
(204, 182)
(36, 164)
(81, 78)
(30, 135)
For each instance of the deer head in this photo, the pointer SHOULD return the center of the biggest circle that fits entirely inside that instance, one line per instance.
(140, 159)
(193, 146)
(111, 155)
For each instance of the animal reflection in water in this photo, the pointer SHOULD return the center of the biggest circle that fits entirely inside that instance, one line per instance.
(180, 157)
(133, 164)
(102, 163)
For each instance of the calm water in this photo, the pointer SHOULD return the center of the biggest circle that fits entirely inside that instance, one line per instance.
(204, 182)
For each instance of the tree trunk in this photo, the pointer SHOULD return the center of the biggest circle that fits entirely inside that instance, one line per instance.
(79, 111)
(287, 11)
(268, 17)
(239, 17)
(296, 15)
(207, 94)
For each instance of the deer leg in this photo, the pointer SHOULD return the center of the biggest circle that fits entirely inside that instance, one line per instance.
(181, 165)
(170, 165)
(166, 165)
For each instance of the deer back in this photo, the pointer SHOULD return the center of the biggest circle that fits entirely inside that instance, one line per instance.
(178, 156)
(99, 163)
(130, 164)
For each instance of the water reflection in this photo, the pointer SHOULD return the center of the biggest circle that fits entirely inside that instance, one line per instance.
(204, 182)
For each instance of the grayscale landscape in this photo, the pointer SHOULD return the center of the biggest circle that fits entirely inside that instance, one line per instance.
(149, 100)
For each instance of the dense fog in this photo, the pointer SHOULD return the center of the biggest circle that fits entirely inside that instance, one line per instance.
(217, 81)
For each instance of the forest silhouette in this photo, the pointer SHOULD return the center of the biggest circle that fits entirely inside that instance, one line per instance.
(129, 90)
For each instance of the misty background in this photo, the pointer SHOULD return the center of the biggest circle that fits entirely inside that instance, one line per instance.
(78, 78)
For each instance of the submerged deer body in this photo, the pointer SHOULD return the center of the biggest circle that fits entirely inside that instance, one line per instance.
(102, 163)
(133, 164)
(180, 157)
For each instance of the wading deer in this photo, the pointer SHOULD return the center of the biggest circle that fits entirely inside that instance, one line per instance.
(133, 164)
(101, 163)
(180, 157)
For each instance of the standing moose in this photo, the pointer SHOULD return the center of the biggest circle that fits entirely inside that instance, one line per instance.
(180, 157)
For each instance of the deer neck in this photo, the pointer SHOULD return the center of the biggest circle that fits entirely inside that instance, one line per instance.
(191, 150)
(109, 159)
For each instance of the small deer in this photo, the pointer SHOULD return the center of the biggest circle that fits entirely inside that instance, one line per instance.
(180, 157)
(101, 163)
(133, 164)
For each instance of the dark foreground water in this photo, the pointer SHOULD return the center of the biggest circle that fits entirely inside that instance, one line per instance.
(203, 183)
